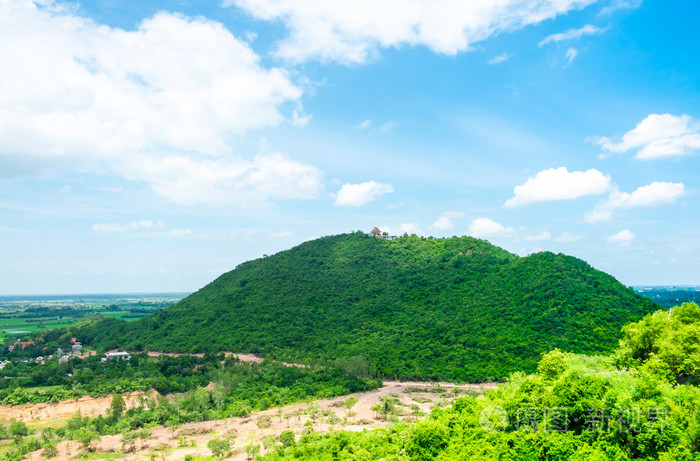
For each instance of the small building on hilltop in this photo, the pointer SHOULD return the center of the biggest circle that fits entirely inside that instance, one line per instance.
(377, 233)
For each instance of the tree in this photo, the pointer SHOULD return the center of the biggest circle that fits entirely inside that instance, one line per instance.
(252, 450)
(116, 408)
(349, 403)
(129, 440)
(552, 364)
(219, 447)
(287, 438)
(201, 398)
(86, 435)
(19, 429)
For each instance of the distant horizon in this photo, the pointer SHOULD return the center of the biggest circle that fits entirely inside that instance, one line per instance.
(21, 296)
(4, 297)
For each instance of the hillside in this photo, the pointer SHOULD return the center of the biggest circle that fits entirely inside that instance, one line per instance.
(457, 308)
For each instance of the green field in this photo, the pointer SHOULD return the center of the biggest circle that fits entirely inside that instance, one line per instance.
(24, 315)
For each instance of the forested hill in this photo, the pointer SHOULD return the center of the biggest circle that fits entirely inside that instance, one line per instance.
(412, 307)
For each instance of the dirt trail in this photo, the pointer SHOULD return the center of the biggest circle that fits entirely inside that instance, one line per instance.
(416, 398)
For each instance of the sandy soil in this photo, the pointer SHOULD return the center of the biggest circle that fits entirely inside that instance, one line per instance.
(191, 439)
(88, 406)
(416, 399)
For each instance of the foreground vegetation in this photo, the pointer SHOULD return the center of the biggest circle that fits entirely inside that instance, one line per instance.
(641, 403)
(413, 308)
(235, 390)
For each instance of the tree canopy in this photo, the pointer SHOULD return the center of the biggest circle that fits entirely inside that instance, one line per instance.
(424, 308)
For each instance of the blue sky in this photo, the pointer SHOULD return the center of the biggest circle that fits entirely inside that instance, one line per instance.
(151, 146)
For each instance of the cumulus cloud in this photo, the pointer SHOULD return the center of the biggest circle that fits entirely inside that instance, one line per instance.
(654, 194)
(92, 96)
(657, 136)
(624, 237)
(116, 227)
(559, 184)
(359, 194)
(485, 227)
(410, 228)
(224, 182)
(444, 222)
(571, 34)
(352, 32)
(544, 235)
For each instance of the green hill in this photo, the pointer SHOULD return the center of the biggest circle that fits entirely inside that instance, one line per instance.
(456, 308)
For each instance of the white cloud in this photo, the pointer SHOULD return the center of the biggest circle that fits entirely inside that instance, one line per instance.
(383, 128)
(364, 125)
(116, 227)
(444, 222)
(567, 237)
(654, 194)
(571, 34)
(544, 235)
(224, 182)
(97, 97)
(281, 234)
(624, 237)
(619, 5)
(485, 227)
(359, 194)
(388, 126)
(500, 58)
(559, 184)
(351, 32)
(657, 136)
(299, 118)
(570, 55)
(179, 233)
(410, 228)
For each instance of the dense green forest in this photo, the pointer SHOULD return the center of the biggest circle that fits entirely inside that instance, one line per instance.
(52, 381)
(641, 403)
(411, 307)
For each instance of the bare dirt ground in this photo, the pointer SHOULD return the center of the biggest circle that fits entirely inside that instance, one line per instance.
(415, 400)
(88, 406)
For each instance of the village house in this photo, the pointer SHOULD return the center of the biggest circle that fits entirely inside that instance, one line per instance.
(22, 344)
(115, 356)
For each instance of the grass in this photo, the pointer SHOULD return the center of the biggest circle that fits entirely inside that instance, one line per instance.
(54, 423)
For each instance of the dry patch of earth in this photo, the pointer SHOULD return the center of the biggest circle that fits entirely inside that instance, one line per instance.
(413, 399)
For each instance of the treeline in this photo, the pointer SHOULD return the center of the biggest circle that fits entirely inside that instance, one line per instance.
(416, 308)
(265, 384)
(641, 403)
